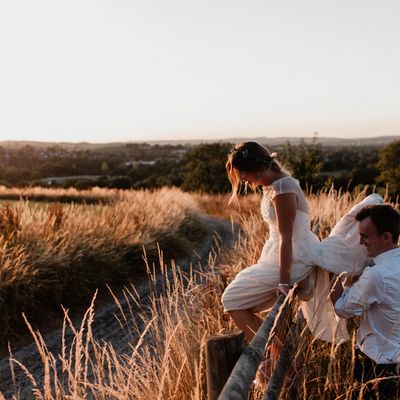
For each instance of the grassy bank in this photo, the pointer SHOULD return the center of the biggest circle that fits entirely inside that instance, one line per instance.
(167, 358)
(59, 254)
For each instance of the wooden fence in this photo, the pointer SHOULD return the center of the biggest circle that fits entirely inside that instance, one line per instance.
(225, 352)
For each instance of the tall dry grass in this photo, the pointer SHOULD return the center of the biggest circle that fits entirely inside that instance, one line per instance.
(166, 360)
(70, 195)
(60, 254)
(217, 205)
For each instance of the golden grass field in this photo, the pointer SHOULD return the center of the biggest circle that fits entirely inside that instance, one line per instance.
(94, 195)
(80, 243)
(54, 254)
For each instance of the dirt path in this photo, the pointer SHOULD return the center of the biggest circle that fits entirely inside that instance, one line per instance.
(105, 326)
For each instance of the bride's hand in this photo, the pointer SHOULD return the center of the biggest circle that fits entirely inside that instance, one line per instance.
(283, 288)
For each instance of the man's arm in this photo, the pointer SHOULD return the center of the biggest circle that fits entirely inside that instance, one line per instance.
(336, 291)
(354, 300)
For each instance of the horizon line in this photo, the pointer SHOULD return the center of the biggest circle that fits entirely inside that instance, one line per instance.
(221, 139)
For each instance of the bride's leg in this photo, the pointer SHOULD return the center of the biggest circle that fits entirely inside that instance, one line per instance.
(246, 321)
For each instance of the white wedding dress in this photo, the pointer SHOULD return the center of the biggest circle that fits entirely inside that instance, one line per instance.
(254, 287)
(340, 253)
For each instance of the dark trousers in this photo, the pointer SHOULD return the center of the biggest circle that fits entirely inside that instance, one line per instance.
(366, 370)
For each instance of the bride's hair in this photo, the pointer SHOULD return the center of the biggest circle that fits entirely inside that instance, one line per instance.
(248, 157)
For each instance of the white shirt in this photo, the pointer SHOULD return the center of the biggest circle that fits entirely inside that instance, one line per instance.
(376, 298)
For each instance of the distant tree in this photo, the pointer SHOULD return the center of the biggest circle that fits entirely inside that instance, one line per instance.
(389, 167)
(121, 182)
(14, 175)
(57, 167)
(304, 161)
(101, 181)
(82, 184)
(27, 154)
(366, 175)
(105, 169)
(203, 168)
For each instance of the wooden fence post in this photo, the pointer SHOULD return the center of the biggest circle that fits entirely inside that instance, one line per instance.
(222, 353)
(238, 385)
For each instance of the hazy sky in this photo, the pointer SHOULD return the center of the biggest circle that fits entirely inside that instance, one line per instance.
(112, 70)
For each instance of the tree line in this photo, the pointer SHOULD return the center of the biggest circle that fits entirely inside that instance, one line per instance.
(196, 168)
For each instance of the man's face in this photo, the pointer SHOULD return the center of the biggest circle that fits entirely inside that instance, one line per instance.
(374, 243)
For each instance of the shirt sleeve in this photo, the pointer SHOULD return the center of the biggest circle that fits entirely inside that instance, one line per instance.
(369, 289)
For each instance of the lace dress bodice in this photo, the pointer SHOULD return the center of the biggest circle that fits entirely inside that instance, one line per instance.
(284, 185)
(303, 239)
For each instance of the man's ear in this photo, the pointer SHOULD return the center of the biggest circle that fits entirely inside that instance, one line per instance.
(388, 237)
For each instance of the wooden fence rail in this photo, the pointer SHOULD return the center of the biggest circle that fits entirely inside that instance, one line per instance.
(241, 378)
(277, 378)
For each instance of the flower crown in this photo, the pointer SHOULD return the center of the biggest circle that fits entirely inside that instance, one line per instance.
(260, 158)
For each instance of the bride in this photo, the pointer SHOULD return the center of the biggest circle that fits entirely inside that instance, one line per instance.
(292, 251)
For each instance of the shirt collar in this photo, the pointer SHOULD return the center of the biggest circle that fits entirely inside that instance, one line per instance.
(387, 254)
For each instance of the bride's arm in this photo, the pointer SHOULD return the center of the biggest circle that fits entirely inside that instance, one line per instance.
(285, 210)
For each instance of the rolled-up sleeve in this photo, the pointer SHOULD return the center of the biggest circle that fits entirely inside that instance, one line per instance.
(369, 289)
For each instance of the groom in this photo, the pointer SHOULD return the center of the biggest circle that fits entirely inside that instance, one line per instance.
(375, 297)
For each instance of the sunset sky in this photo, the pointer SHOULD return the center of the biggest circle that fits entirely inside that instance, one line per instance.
(126, 70)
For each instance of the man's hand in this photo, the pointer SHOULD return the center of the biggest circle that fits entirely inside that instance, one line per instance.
(337, 290)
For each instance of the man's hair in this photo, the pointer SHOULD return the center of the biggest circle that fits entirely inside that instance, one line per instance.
(384, 217)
